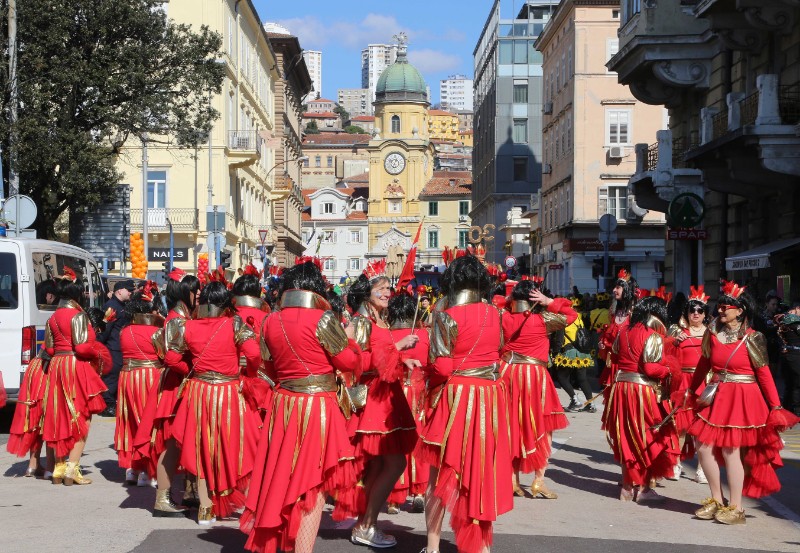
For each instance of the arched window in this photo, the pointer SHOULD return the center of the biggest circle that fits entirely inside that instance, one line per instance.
(395, 123)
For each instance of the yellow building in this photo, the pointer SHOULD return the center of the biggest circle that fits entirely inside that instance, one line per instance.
(445, 202)
(443, 125)
(233, 170)
(400, 157)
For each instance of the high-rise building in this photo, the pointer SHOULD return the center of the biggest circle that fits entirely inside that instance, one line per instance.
(357, 101)
(590, 126)
(508, 120)
(314, 64)
(455, 93)
(374, 59)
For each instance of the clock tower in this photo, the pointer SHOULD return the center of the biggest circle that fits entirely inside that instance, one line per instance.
(400, 156)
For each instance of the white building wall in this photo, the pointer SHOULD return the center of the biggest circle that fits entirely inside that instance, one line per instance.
(455, 93)
(314, 63)
(374, 59)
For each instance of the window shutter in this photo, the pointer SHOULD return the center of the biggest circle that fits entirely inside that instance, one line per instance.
(602, 201)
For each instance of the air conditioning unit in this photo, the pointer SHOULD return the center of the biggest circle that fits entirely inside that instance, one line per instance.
(552, 256)
(254, 252)
(462, 218)
(547, 169)
(242, 248)
(616, 152)
(547, 108)
(538, 259)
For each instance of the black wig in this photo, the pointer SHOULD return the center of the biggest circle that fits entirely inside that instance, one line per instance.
(177, 292)
(305, 276)
(67, 289)
(401, 308)
(465, 273)
(247, 285)
(217, 294)
(647, 307)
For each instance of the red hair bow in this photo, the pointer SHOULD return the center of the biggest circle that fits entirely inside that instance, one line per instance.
(251, 270)
(69, 274)
(698, 294)
(177, 274)
(309, 259)
(731, 289)
(624, 275)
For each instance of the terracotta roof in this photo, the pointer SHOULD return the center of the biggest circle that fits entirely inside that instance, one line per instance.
(319, 115)
(279, 35)
(322, 100)
(357, 216)
(336, 138)
(441, 112)
(361, 177)
(440, 184)
(363, 118)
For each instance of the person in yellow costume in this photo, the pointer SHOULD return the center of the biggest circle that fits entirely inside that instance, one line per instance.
(568, 362)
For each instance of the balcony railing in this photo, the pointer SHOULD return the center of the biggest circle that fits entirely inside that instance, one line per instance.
(789, 103)
(720, 124)
(749, 109)
(181, 219)
(678, 153)
(652, 156)
(244, 140)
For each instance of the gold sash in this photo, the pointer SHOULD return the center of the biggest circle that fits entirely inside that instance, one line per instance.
(132, 364)
(512, 358)
(213, 377)
(489, 372)
(311, 384)
(734, 378)
(636, 378)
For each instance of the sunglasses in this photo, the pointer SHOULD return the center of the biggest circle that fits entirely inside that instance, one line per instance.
(699, 310)
(725, 307)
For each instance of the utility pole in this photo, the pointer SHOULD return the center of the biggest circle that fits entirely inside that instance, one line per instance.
(144, 198)
(13, 178)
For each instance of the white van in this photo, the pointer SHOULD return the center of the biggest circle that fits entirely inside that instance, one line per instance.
(27, 267)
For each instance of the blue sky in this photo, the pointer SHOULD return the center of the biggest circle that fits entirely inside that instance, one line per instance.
(442, 34)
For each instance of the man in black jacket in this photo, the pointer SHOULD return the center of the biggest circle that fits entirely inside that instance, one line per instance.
(789, 331)
(110, 337)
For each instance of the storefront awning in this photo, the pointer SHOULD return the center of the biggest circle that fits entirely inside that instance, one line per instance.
(758, 258)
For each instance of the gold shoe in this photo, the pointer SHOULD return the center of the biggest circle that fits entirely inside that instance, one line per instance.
(164, 506)
(730, 515)
(709, 509)
(190, 496)
(73, 475)
(539, 489)
(626, 495)
(205, 515)
(519, 492)
(393, 509)
(58, 472)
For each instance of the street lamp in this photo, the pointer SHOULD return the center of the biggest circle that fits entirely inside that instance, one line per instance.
(300, 159)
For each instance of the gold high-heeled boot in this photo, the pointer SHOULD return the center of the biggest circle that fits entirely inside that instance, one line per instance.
(190, 496)
(540, 489)
(73, 475)
(205, 515)
(58, 472)
(164, 506)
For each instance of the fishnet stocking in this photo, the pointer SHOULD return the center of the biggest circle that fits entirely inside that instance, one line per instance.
(309, 527)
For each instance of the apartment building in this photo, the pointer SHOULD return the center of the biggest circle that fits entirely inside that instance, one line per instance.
(455, 93)
(374, 59)
(313, 59)
(585, 169)
(331, 157)
(357, 101)
(727, 170)
(230, 173)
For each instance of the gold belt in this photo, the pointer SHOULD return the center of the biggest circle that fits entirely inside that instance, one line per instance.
(636, 378)
(132, 364)
(734, 378)
(512, 357)
(311, 384)
(263, 376)
(63, 352)
(689, 370)
(489, 372)
(213, 377)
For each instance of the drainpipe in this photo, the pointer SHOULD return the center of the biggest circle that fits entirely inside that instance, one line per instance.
(727, 60)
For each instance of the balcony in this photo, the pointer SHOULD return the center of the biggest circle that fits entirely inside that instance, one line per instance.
(754, 142)
(745, 25)
(664, 51)
(183, 220)
(244, 148)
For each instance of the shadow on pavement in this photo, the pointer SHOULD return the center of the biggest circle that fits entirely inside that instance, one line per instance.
(16, 470)
(603, 457)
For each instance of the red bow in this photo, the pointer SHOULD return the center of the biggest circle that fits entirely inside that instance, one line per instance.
(69, 274)
(177, 274)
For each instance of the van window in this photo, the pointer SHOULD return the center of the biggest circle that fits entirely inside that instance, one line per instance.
(9, 287)
(48, 266)
(98, 298)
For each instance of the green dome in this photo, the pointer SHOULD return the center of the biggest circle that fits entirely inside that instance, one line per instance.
(401, 81)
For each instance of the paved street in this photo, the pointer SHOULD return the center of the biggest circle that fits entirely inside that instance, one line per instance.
(107, 517)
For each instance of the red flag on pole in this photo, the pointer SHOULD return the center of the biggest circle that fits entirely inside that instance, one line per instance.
(408, 269)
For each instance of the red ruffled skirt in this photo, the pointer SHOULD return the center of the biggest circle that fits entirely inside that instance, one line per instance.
(684, 416)
(25, 435)
(535, 411)
(414, 480)
(155, 426)
(466, 438)
(217, 435)
(304, 450)
(133, 390)
(631, 411)
(72, 395)
(740, 418)
(386, 425)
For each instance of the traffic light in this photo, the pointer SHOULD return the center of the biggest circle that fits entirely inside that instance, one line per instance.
(166, 270)
(224, 259)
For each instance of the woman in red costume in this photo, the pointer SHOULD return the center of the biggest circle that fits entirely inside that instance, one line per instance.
(740, 426)
(304, 451)
(214, 432)
(465, 439)
(142, 345)
(253, 310)
(154, 441)
(634, 406)
(73, 386)
(687, 337)
(384, 430)
(624, 296)
(414, 480)
(535, 409)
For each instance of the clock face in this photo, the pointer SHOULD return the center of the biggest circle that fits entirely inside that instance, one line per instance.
(394, 163)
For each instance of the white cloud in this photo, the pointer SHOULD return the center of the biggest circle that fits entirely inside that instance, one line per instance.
(433, 61)
(373, 29)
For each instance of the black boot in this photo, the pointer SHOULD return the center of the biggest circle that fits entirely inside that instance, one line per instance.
(573, 405)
